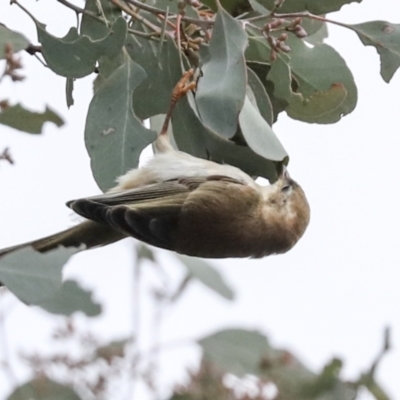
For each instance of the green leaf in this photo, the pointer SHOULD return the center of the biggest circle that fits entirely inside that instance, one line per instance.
(264, 104)
(34, 277)
(114, 136)
(43, 388)
(385, 37)
(319, 106)
(16, 40)
(314, 6)
(144, 252)
(262, 70)
(152, 97)
(222, 88)
(325, 89)
(24, 120)
(71, 298)
(207, 275)
(259, 135)
(193, 137)
(75, 56)
(319, 36)
(317, 69)
(110, 351)
(233, 7)
(236, 351)
(93, 28)
(173, 8)
(258, 50)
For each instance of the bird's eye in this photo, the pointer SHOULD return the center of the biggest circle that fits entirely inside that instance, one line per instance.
(286, 188)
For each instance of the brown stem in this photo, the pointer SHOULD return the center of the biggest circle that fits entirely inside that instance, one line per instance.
(157, 11)
(304, 14)
(180, 90)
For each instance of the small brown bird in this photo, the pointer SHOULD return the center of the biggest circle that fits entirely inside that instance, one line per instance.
(189, 205)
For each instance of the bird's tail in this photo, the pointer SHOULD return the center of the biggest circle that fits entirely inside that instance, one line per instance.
(88, 233)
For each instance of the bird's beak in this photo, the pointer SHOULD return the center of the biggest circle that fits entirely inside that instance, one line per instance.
(284, 175)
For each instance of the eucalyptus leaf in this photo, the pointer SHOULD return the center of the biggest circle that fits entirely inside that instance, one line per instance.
(34, 277)
(319, 106)
(385, 37)
(236, 351)
(259, 135)
(75, 56)
(96, 29)
(20, 118)
(319, 97)
(114, 136)
(16, 40)
(314, 6)
(71, 298)
(43, 388)
(263, 101)
(233, 7)
(207, 275)
(193, 137)
(318, 69)
(163, 70)
(222, 88)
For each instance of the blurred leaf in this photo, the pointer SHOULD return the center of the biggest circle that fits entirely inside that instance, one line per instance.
(95, 29)
(263, 101)
(368, 379)
(259, 135)
(17, 41)
(319, 36)
(314, 6)
(115, 349)
(152, 97)
(222, 88)
(75, 56)
(312, 26)
(173, 8)
(385, 37)
(144, 252)
(24, 120)
(233, 7)
(114, 136)
(43, 388)
(71, 298)
(256, 6)
(207, 275)
(34, 277)
(258, 50)
(236, 351)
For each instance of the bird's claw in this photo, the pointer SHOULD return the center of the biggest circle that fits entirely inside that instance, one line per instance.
(182, 87)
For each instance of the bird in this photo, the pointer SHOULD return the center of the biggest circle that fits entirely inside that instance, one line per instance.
(189, 205)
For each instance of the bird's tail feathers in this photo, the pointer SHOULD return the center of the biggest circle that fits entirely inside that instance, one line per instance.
(88, 233)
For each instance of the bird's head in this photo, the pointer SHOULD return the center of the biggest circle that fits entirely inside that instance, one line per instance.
(286, 200)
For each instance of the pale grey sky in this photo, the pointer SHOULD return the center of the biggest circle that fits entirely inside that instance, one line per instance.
(332, 295)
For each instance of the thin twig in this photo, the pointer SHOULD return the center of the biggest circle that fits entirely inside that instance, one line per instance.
(304, 14)
(5, 155)
(135, 15)
(154, 10)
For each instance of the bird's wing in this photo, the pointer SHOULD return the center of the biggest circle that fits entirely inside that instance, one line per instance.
(150, 214)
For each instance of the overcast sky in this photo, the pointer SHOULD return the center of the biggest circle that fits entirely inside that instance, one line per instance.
(332, 295)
